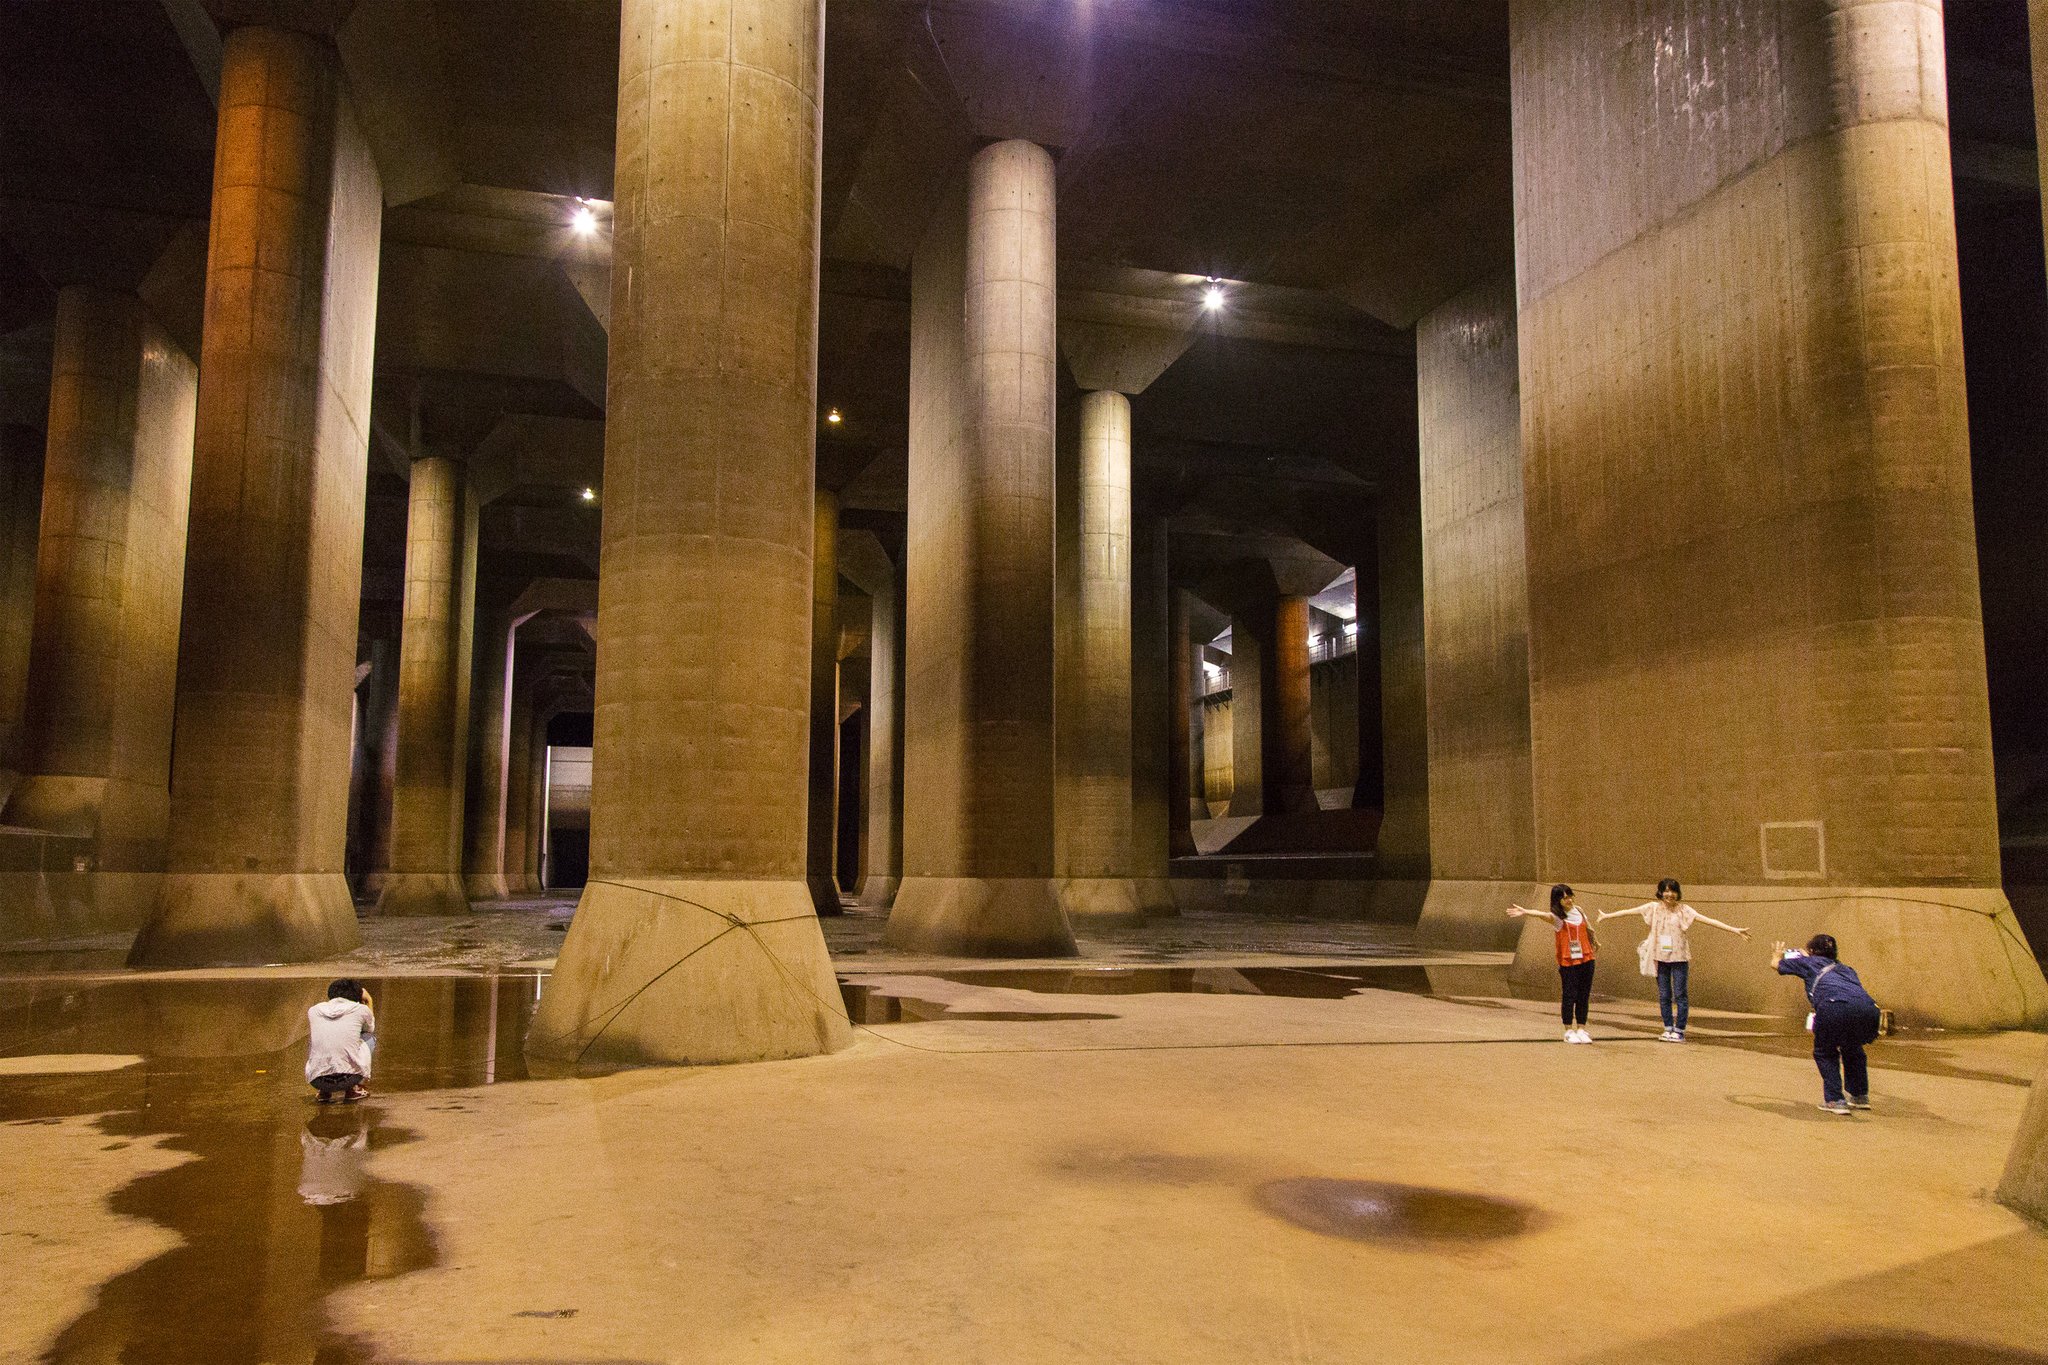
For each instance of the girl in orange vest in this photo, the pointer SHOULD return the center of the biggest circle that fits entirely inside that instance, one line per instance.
(1575, 946)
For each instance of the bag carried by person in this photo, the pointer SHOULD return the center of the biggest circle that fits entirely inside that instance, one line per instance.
(1645, 958)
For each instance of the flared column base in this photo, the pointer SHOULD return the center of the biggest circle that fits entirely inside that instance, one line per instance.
(423, 893)
(243, 919)
(1935, 956)
(1100, 902)
(685, 973)
(981, 917)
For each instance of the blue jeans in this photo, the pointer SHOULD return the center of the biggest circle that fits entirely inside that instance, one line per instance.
(1671, 998)
(1840, 1032)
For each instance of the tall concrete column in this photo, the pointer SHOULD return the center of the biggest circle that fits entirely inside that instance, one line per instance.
(1370, 790)
(1094, 849)
(979, 762)
(484, 874)
(273, 567)
(1475, 619)
(1402, 853)
(1289, 759)
(96, 748)
(696, 940)
(518, 785)
(1252, 627)
(885, 738)
(433, 694)
(1753, 601)
(821, 863)
(21, 504)
(1183, 731)
(1151, 748)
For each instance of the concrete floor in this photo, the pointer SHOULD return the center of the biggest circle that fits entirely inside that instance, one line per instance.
(1209, 1141)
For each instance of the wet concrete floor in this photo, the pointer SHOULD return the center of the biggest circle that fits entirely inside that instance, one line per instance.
(278, 1207)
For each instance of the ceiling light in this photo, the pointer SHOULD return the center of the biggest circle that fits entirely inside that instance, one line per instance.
(589, 495)
(585, 221)
(832, 415)
(1212, 297)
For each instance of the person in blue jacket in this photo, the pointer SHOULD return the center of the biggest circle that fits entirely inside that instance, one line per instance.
(1845, 1018)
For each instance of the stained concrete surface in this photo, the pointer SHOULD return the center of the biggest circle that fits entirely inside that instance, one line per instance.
(1185, 1149)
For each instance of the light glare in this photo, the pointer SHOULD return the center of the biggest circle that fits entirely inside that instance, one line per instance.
(585, 222)
(1212, 297)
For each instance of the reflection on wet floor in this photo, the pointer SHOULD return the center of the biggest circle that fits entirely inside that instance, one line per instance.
(870, 1004)
(1373, 1211)
(279, 1207)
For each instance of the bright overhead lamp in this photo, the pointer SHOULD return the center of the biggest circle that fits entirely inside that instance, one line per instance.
(1212, 297)
(585, 221)
(833, 416)
(588, 495)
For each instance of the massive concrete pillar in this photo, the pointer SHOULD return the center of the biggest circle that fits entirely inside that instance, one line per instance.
(21, 503)
(1753, 602)
(273, 565)
(1475, 619)
(1151, 747)
(433, 694)
(1402, 854)
(865, 562)
(1094, 851)
(519, 787)
(979, 762)
(1288, 761)
(1251, 643)
(696, 940)
(96, 747)
(1370, 790)
(484, 864)
(1183, 731)
(821, 849)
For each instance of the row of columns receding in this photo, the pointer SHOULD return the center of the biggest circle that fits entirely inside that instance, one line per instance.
(1766, 634)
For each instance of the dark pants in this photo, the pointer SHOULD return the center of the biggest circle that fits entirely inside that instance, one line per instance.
(1671, 998)
(1578, 989)
(1839, 1032)
(336, 1083)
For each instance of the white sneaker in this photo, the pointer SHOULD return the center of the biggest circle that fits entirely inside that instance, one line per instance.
(1584, 1037)
(1571, 1035)
(1670, 1036)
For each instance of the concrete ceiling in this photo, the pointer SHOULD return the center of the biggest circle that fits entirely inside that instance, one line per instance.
(1342, 166)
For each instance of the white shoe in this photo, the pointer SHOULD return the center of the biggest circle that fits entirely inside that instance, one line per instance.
(1834, 1106)
(1571, 1035)
(1583, 1036)
(1670, 1036)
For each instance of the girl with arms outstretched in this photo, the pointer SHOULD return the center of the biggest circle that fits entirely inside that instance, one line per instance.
(1670, 919)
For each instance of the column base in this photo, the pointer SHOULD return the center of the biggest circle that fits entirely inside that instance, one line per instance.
(1100, 902)
(2025, 1186)
(238, 919)
(669, 972)
(422, 893)
(485, 886)
(1471, 916)
(824, 895)
(879, 892)
(1937, 957)
(1155, 898)
(980, 917)
(61, 903)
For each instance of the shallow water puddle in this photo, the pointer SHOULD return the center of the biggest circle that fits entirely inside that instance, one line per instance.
(279, 1207)
(868, 1003)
